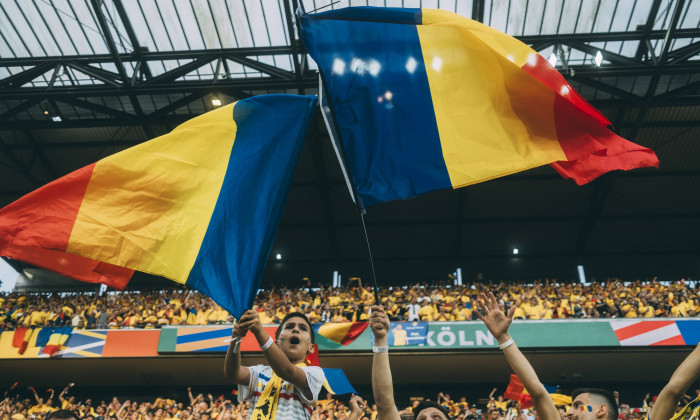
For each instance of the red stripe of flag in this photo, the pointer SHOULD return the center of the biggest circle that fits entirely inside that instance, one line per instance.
(673, 341)
(18, 337)
(640, 328)
(591, 149)
(37, 227)
(515, 388)
(355, 330)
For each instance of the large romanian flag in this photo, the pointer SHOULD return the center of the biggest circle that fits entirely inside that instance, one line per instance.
(200, 205)
(426, 100)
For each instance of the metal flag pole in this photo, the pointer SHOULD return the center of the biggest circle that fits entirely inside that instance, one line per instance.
(328, 119)
(331, 126)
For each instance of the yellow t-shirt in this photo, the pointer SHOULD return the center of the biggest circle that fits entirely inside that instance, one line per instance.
(399, 337)
(266, 319)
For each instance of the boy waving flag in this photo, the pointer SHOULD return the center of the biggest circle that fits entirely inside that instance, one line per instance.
(287, 388)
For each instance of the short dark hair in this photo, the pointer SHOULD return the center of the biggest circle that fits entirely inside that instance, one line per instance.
(607, 397)
(62, 414)
(430, 404)
(296, 315)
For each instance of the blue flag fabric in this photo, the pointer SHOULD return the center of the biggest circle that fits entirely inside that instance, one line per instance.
(337, 383)
(43, 336)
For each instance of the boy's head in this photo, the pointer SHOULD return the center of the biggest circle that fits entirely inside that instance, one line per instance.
(430, 410)
(295, 336)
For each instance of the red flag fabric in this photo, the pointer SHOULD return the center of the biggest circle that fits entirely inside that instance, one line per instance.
(18, 337)
(526, 401)
(312, 358)
(515, 389)
(26, 339)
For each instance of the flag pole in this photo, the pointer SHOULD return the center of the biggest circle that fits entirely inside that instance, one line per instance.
(369, 256)
(327, 114)
(331, 126)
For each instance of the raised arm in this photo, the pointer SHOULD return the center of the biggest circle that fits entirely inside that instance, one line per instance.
(279, 362)
(192, 399)
(233, 371)
(60, 396)
(356, 406)
(36, 396)
(382, 383)
(684, 376)
(123, 410)
(497, 322)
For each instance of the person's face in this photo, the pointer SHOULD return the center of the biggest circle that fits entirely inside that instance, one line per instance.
(494, 414)
(583, 408)
(295, 339)
(431, 413)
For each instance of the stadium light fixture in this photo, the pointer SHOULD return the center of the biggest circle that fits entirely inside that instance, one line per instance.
(216, 101)
(278, 256)
(581, 274)
(598, 58)
(515, 251)
(56, 118)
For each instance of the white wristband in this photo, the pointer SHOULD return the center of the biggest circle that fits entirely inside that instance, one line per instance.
(236, 341)
(380, 349)
(267, 345)
(237, 346)
(507, 344)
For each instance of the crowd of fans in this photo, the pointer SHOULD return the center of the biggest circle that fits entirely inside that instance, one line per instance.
(33, 406)
(196, 407)
(439, 301)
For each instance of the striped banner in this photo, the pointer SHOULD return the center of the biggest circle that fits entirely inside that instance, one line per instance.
(647, 333)
(588, 333)
(204, 339)
(82, 343)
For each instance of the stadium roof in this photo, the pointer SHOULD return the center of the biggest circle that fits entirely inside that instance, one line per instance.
(83, 79)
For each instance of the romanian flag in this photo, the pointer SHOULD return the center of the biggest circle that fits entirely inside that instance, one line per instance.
(336, 382)
(18, 336)
(515, 388)
(57, 340)
(426, 100)
(22, 337)
(516, 391)
(200, 205)
(343, 332)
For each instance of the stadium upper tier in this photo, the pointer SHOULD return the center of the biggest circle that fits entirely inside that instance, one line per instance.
(425, 302)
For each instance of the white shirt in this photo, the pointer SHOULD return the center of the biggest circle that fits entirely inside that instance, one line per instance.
(413, 309)
(293, 404)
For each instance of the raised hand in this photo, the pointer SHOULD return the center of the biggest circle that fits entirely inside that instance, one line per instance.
(356, 404)
(379, 323)
(249, 321)
(496, 321)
